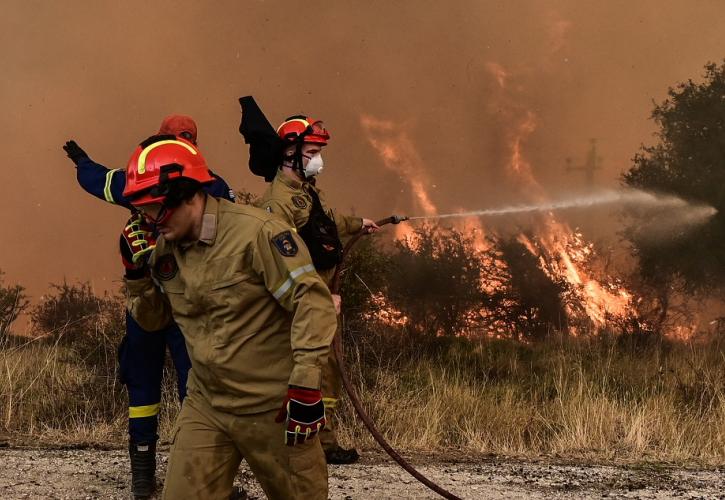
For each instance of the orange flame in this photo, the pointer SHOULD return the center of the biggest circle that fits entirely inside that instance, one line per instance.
(399, 154)
(562, 253)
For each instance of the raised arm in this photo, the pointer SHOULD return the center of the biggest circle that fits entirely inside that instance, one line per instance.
(100, 181)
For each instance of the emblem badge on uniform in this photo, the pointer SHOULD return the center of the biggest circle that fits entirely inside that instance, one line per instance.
(166, 267)
(299, 202)
(285, 244)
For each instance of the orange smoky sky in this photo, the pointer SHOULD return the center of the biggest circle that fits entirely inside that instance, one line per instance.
(458, 77)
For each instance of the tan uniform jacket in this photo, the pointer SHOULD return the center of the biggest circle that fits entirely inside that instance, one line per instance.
(290, 199)
(255, 315)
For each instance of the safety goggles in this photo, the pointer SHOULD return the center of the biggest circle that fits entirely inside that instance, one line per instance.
(317, 128)
(161, 216)
(188, 136)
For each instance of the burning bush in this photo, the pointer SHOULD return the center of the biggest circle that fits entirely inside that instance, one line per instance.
(435, 280)
(442, 282)
(534, 306)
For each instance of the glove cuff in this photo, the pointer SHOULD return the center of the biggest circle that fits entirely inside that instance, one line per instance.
(307, 396)
(135, 274)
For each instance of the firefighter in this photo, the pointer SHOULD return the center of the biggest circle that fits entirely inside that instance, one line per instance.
(141, 355)
(294, 196)
(258, 323)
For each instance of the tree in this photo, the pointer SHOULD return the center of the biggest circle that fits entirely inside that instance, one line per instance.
(13, 302)
(689, 162)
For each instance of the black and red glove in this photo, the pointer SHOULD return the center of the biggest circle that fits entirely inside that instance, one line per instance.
(137, 242)
(304, 412)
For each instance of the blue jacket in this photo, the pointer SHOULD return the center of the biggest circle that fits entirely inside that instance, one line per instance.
(108, 184)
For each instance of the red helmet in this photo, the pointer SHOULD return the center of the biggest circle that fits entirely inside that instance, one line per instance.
(181, 125)
(300, 128)
(157, 160)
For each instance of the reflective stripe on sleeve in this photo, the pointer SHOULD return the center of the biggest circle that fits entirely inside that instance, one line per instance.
(107, 188)
(292, 277)
(143, 411)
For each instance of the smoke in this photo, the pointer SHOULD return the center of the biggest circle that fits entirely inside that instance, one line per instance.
(459, 79)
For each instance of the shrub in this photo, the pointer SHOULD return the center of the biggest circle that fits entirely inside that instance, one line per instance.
(13, 302)
(74, 315)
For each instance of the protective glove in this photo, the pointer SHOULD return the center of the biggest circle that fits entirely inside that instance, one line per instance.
(304, 413)
(136, 242)
(74, 151)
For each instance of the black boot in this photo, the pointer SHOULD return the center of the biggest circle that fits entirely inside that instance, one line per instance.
(341, 456)
(143, 469)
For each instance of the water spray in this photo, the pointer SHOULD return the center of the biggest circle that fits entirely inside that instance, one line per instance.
(624, 197)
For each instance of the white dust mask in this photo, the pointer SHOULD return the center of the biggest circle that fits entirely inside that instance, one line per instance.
(314, 166)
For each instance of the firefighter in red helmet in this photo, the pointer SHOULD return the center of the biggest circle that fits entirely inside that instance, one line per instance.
(142, 354)
(161, 173)
(257, 319)
(294, 196)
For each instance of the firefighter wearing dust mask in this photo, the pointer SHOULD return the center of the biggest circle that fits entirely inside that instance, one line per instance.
(294, 196)
(258, 323)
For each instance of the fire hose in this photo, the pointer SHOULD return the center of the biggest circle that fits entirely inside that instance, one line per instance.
(352, 393)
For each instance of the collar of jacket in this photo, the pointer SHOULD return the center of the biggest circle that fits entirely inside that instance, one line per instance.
(209, 220)
(289, 181)
(207, 234)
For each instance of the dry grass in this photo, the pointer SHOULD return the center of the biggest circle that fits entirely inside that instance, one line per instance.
(53, 393)
(600, 398)
(596, 399)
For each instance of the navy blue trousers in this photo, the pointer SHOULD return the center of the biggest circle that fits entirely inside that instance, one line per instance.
(141, 358)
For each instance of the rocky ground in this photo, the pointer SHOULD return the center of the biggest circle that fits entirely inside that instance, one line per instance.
(91, 473)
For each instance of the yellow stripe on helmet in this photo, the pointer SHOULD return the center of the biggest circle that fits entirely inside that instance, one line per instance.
(304, 122)
(151, 147)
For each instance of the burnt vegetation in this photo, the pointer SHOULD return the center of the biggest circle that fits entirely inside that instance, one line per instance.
(440, 283)
(477, 345)
(479, 357)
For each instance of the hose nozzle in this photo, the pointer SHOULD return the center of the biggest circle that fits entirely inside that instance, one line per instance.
(393, 219)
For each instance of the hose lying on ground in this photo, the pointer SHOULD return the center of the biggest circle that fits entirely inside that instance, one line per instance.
(354, 398)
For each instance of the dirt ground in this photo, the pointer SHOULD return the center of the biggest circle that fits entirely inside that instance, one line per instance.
(92, 473)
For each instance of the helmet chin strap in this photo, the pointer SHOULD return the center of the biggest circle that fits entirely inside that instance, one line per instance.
(297, 161)
(294, 161)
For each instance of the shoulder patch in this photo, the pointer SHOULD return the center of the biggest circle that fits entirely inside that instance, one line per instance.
(299, 201)
(285, 245)
(166, 267)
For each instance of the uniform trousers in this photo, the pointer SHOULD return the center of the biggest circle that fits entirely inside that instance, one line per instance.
(208, 446)
(141, 358)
